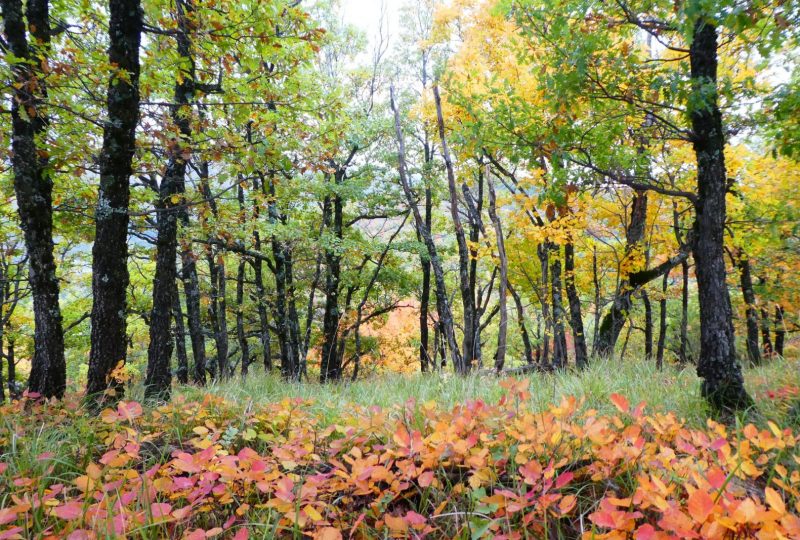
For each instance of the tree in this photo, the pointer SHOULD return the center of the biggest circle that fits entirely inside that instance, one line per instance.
(33, 185)
(110, 250)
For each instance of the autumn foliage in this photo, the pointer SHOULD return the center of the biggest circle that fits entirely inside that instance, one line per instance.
(212, 469)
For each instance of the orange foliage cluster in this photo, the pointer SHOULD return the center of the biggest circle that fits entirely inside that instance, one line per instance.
(210, 469)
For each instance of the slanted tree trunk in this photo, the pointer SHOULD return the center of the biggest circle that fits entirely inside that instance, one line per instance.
(559, 335)
(526, 340)
(576, 319)
(500, 355)
(723, 384)
(442, 302)
(170, 192)
(597, 306)
(182, 373)
(749, 296)
(110, 278)
(33, 187)
(780, 330)
(614, 320)
(469, 345)
(662, 324)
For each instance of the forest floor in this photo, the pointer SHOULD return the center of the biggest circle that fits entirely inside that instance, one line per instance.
(619, 451)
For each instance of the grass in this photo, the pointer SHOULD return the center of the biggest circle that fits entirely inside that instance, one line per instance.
(675, 389)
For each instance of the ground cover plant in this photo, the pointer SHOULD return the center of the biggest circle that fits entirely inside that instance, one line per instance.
(499, 464)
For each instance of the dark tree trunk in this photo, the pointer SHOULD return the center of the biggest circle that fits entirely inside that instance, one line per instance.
(683, 347)
(285, 312)
(780, 330)
(191, 290)
(500, 355)
(261, 303)
(258, 270)
(331, 368)
(575, 317)
(182, 373)
(475, 208)
(425, 296)
(244, 346)
(662, 323)
(221, 338)
(597, 307)
(648, 326)
(749, 296)
(614, 320)
(34, 188)
(543, 252)
(723, 384)
(442, 302)
(12, 371)
(523, 330)
(469, 344)
(110, 279)
(171, 191)
(559, 335)
(765, 333)
(2, 384)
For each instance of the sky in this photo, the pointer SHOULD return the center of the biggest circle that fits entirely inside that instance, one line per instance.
(365, 14)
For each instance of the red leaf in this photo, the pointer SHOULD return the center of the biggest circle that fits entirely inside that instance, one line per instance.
(69, 511)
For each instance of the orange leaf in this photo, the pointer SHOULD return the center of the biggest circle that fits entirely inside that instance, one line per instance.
(397, 524)
(700, 505)
(775, 500)
(620, 402)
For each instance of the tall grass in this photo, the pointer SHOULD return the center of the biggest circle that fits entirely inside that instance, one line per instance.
(675, 389)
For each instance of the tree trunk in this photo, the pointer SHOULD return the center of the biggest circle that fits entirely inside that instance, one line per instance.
(765, 333)
(662, 323)
(244, 346)
(576, 319)
(543, 252)
(12, 371)
(425, 297)
(467, 295)
(109, 340)
(526, 340)
(331, 369)
(34, 187)
(182, 373)
(191, 290)
(171, 192)
(749, 296)
(614, 320)
(500, 356)
(443, 304)
(648, 326)
(780, 330)
(683, 347)
(261, 303)
(559, 335)
(597, 306)
(723, 384)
